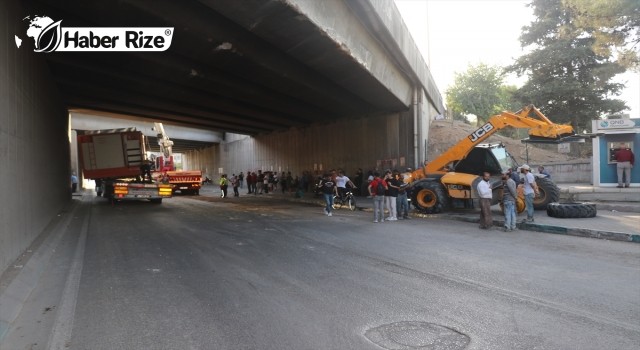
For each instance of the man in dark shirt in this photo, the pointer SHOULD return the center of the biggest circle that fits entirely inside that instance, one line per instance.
(544, 172)
(625, 159)
(390, 196)
(328, 190)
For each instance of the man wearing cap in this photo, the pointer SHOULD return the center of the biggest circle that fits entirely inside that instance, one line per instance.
(509, 195)
(530, 191)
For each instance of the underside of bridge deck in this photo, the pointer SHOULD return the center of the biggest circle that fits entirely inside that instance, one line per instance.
(250, 66)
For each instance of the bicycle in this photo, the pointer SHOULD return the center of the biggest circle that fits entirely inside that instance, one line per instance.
(348, 200)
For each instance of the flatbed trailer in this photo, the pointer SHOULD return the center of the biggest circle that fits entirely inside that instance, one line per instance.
(188, 181)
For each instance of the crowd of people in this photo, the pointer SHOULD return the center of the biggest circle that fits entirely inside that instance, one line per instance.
(259, 182)
(510, 182)
(389, 191)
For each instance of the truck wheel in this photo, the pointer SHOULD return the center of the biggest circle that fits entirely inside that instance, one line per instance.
(430, 197)
(549, 193)
(571, 210)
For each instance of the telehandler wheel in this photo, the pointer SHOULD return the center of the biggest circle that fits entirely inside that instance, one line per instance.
(571, 210)
(549, 193)
(430, 197)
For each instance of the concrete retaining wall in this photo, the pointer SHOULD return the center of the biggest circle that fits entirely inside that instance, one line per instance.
(577, 171)
(369, 143)
(366, 143)
(34, 144)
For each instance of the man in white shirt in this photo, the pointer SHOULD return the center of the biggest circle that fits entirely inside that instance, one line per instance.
(341, 183)
(530, 191)
(486, 194)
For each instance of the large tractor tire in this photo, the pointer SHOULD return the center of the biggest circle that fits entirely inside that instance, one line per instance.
(430, 197)
(571, 210)
(549, 193)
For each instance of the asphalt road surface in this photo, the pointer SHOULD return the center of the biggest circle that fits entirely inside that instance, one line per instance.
(257, 273)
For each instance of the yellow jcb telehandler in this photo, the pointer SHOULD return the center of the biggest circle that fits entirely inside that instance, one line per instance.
(450, 180)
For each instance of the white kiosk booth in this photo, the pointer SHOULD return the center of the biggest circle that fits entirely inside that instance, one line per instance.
(611, 133)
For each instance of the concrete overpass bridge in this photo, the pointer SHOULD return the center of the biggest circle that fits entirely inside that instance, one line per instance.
(281, 85)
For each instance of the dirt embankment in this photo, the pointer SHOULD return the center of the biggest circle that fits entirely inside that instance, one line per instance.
(444, 134)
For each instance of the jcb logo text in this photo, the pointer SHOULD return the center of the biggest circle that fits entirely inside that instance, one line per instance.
(482, 131)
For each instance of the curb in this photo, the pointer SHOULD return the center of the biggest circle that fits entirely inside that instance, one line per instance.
(630, 208)
(581, 232)
(19, 289)
(559, 230)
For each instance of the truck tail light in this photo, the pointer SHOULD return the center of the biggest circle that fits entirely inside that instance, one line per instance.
(120, 190)
(165, 191)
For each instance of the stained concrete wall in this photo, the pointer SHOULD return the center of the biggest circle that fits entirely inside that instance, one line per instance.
(389, 141)
(378, 142)
(34, 144)
(402, 46)
(336, 20)
(576, 171)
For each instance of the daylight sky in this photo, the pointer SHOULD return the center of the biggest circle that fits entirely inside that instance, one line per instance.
(452, 34)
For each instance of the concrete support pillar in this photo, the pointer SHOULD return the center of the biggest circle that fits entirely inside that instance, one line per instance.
(416, 127)
(35, 174)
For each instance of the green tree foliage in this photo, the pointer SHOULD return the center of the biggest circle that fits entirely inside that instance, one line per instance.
(614, 24)
(508, 101)
(479, 91)
(568, 80)
(461, 117)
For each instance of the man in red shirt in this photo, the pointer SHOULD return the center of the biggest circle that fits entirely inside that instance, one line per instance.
(376, 190)
(625, 159)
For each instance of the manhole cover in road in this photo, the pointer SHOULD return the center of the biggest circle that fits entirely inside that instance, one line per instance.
(417, 335)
